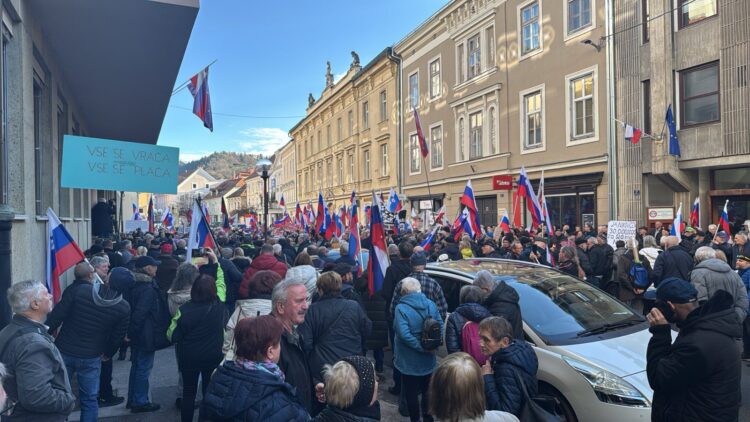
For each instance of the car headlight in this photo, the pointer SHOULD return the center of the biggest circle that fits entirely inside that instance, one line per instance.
(609, 388)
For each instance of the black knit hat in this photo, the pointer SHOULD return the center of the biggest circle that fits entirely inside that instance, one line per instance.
(366, 374)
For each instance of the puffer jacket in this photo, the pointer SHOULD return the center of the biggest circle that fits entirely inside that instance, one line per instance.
(674, 262)
(238, 394)
(409, 356)
(464, 313)
(94, 320)
(307, 273)
(149, 315)
(502, 389)
(712, 275)
(196, 331)
(334, 328)
(503, 301)
(697, 378)
(245, 308)
(263, 262)
(177, 298)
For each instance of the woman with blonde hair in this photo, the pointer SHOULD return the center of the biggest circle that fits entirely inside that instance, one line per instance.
(457, 392)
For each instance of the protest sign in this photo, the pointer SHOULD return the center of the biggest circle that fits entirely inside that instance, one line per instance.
(620, 230)
(133, 225)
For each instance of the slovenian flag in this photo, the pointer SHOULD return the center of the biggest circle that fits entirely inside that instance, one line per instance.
(168, 220)
(282, 202)
(525, 190)
(198, 87)
(463, 225)
(283, 221)
(355, 245)
(695, 213)
(724, 219)
(505, 222)
(320, 222)
(136, 214)
(200, 233)
(632, 134)
(427, 242)
(62, 253)
(467, 199)
(394, 204)
(677, 228)
(378, 258)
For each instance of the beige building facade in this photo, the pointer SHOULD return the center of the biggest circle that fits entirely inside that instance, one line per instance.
(503, 84)
(696, 60)
(348, 140)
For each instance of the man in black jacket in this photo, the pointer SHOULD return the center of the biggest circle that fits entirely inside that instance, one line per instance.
(395, 272)
(600, 255)
(94, 321)
(501, 300)
(696, 378)
(673, 262)
(289, 306)
(720, 243)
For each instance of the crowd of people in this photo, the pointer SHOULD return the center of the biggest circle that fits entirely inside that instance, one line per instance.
(280, 327)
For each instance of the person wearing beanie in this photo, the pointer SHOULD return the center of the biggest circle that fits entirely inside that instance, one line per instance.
(696, 377)
(351, 391)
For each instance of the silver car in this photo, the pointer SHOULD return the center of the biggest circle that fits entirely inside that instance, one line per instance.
(591, 347)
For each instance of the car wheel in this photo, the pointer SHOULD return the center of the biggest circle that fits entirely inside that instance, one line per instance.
(564, 408)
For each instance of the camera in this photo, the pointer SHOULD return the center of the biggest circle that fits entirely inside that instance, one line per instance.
(199, 253)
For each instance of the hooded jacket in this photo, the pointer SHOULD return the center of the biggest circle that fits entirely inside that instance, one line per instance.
(262, 262)
(712, 275)
(502, 389)
(697, 378)
(245, 308)
(409, 356)
(503, 301)
(456, 321)
(238, 394)
(149, 315)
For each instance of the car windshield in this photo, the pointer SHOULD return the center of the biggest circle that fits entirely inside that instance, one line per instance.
(556, 306)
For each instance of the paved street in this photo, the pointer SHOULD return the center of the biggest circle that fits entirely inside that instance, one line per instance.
(164, 384)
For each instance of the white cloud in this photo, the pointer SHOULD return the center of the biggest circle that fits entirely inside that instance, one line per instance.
(263, 140)
(337, 77)
(187, 157)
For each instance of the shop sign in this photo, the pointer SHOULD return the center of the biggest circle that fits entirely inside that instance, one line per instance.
(661, 213)
(504, 182)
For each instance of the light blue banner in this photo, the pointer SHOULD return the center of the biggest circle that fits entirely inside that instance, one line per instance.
(93, 163)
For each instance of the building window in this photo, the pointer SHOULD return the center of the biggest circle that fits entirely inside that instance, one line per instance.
(341, 170)
(328, 135)
(492, 121)
(460, 140)
(414, 153)
(490, 41)
(320, 174)
(435, 78)
(62, 129)
(533, 113)
(645, 17)
(699, 94)
(460, 63)
(414, 89)
(383, 106)
(351, 166)
(582, 106)
(194, 186)
(693, 11)
(436, 147)
(579, 15)
(474, 62)
(475, 135)
(42, 153)
(338, 129)
(365, 115)
(366, 159)
(530, 28)
(385, 166)
(646, 87)
(351, 122)
(320, 141)
(329, 173)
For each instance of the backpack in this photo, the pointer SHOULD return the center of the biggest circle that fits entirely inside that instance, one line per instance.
(470, 342)
(431, 335)
(639, 275)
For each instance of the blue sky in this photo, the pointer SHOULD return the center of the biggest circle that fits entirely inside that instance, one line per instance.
(270, 56)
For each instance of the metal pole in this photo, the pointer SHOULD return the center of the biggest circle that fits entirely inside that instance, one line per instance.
(265, 203)
(6, 224)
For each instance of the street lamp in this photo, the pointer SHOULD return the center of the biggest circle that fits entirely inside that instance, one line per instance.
(262, 167)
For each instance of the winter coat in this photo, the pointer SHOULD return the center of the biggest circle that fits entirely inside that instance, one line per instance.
(712, 275)
(166, 271)
(263, 262)
(490, 416)
(177, 298)
(408, 355)
(94, 320)
(738, 250)
(623, 281)
(238, 394)
(584, 262)
(233, 279)
(37, 379)
(197, 332)
(397, 271)
(307, 273)
(745, 276)
(651, 254)
(502, 389)
(245, 308)
(601, 257)
(503, 301)
(674, 262)
(294, 364)
(334, 328)
(697, 378)
(727, 249)
(348, 292)
(334, 414)
(375, 310)
(149, 315)
(456, 321)
(242, 263)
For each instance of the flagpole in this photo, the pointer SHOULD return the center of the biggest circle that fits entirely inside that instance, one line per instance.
(184, 84)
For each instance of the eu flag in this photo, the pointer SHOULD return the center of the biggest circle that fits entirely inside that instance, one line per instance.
(674, 143)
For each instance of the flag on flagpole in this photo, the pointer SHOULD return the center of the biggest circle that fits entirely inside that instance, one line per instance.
(353, 198)
(394, 204)
(676, 229)
(298, 215)
(204, 207)
(150, 214)
(427, 242)
(200, 233)
(505, 223)
(440, 215)
(378, 257)
(136, 214)
(168, 220)
(467, 199)
(516, 209)
(282, 202)
(526, 191)
(198, 87)
(695, 213)
(724, 219)
(462, 224)
(335, 228)
(225, 216)
(355, 244)
(632, 134)
(283, 221)
(423, 148)
(674, 143)
(62, 253)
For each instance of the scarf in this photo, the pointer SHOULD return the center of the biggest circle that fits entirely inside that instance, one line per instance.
(265, 366)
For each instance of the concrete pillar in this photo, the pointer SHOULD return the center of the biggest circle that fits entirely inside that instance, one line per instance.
(704, 185)
(6, 224)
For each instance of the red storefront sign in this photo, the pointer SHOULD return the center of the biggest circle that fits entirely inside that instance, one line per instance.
(504, 182)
